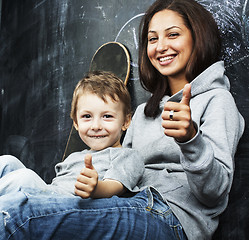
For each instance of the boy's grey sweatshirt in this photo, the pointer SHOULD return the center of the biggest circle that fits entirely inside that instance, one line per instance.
(195, 177)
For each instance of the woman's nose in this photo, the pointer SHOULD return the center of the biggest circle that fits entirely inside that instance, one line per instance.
(162, 45)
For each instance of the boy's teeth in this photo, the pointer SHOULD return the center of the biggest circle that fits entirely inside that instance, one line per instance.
(166, 58)
(97, 137)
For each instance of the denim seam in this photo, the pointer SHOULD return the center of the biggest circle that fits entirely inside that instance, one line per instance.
(176, 231)
(151, 210)
(163, 214)
(65, 211)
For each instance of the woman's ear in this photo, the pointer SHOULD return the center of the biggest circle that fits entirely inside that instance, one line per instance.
(127, 122)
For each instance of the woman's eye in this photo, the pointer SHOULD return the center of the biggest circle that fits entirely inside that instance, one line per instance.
(173, 35)
(152, 39)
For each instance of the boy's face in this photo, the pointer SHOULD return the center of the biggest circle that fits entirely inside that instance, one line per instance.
(100, 123)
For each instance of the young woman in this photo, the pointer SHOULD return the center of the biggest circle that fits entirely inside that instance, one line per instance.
(190, 123)
(187, 132)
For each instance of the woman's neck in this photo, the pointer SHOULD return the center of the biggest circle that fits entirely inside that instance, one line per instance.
(176, 84)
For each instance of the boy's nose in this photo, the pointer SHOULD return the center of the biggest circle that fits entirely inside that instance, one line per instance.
(96, 125)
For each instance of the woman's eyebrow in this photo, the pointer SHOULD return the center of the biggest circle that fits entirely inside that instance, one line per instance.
(167, 29)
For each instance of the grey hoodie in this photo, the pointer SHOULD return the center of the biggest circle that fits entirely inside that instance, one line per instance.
(195, 177)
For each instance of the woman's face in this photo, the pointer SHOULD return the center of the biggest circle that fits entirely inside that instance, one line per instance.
(170, 44)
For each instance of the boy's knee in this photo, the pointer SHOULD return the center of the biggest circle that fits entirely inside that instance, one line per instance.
(9, 164)
(21, 178)
(29, 179)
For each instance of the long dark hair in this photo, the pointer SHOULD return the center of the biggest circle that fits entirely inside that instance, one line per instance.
(206, 48)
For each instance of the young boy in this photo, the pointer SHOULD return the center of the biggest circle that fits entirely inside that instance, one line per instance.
(101, 111)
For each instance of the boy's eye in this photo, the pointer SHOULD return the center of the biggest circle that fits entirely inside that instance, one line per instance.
(86, 116)
(107, 116)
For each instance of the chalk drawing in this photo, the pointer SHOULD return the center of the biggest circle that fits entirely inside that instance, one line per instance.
(245, 24)
(122, 28)
(233, 27)
(228, 17)
(128, 35)
(39, 4)
(62, 48)
(102, 11)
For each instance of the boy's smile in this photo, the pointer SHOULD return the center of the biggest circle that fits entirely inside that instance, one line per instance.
(99, 123)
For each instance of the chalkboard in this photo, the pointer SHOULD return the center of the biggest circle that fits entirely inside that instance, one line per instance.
(46, 46)
(0, 11)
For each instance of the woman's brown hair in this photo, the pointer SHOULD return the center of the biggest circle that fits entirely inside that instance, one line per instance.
(206, 48)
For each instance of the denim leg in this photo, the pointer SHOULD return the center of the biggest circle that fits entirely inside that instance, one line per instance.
(8, 164)
(35, 215)
(14, 176)
(158, 207)
(21, 178)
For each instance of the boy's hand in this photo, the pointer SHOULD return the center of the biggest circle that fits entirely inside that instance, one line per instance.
(87, 180)
(180, 126)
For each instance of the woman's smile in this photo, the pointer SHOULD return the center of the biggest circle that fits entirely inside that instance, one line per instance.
(166, 60)
(170, 44)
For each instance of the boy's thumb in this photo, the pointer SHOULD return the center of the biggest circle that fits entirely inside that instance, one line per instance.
(88, 161)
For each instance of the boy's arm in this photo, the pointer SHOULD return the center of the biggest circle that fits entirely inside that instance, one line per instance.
(107, 188)
(88, 185)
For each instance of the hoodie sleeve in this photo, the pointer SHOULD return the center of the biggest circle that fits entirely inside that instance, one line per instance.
(208, 158)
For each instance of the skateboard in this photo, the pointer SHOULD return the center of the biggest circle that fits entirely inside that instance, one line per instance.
(111, 57)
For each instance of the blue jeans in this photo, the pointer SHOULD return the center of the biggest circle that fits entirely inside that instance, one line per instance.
(39, 214)
(14, 176)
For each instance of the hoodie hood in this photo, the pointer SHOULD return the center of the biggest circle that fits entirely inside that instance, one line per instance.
(212, 78)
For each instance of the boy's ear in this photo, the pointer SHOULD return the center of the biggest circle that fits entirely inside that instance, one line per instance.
(126, 123)
(75, 125)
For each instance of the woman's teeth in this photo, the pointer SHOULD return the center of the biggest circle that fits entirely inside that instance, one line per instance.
(166, 58)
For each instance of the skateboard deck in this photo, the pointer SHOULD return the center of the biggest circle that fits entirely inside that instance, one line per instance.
(111, 57)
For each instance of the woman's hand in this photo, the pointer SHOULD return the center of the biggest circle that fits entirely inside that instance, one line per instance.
(87, 181)
(177, 121)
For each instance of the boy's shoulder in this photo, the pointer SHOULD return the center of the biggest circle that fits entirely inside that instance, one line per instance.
(76, 155)
(126, 153)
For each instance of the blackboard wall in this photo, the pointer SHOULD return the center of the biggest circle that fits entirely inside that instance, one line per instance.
(46, 46)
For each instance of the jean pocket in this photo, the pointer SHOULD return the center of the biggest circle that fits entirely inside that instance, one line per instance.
(160, 209)
(156, 205)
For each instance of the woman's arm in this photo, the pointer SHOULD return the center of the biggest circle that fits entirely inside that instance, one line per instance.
(207, 151)
(208, 158)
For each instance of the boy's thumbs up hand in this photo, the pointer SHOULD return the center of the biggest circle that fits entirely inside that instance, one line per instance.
(87, 180)
(177, 121)
(88, 161)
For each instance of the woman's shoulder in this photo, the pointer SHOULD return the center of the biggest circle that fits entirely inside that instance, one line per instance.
(139, 112)
(140, 107)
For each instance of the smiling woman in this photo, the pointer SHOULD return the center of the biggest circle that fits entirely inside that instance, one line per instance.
(170, 46)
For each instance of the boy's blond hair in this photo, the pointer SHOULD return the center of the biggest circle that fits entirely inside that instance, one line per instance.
(102, 84)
